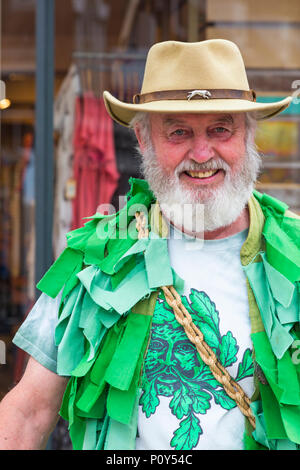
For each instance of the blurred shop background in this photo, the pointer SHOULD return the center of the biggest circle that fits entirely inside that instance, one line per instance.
(62, 156)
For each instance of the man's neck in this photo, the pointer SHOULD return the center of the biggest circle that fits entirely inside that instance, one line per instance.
(240, 224)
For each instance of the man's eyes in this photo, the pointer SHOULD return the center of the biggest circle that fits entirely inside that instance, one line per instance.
(179, 132)
(219, 130)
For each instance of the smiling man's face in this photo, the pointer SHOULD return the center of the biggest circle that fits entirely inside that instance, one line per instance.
(199, 149)
(206, 160)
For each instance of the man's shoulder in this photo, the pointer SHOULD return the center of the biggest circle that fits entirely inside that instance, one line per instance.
(281, 233)
(103, 227)
(101, 242)
(272, 205)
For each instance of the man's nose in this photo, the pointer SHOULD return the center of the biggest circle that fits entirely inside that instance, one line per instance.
(201, 149)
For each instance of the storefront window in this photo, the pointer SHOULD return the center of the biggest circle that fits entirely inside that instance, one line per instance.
(16, 177)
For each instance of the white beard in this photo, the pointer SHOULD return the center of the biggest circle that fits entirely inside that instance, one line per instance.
(202, 210)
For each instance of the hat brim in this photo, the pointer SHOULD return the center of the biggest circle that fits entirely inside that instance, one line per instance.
(123, 113)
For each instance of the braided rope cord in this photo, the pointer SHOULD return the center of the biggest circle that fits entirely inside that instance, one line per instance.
(233, 389)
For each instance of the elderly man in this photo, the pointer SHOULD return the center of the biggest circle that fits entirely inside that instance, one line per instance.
(174, 323)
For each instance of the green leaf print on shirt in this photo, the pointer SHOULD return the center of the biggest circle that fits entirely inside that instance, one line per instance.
(174, 369)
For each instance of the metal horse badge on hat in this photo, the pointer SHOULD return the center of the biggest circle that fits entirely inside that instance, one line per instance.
(203, 93)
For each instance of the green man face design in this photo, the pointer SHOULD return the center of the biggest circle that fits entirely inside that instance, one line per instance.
(174, 369)
(170, 357)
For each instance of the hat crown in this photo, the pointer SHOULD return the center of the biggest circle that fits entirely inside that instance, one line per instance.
(211, 64)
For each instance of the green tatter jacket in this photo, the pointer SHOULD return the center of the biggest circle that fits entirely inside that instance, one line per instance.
(110, 283)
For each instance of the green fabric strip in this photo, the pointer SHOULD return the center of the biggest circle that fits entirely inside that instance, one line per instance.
(282, 289)
(60, 272)
(137, 249)
(124, 297)
(77, 433)
(118, 277)
(279, 337)
(112, 340)
(122, 366)
(291, 418)
(90, 440)
(91, 324)
(251, 444)
(102, 432)
(287, 375)
(95, 250)
(67, 398)
(260, 433)
(282, 253)
(282, 237)
(68, 335)
(117, 250)
(126, 233)
(283, 380)
(271, 202)
(91, 394)
(120, 403)
(272, 416)
(73, 281)
(122, 436)
(96, 382)
(286, 445)
(97, 409)
(138, 186)
(84, 366)
(77, 239)
(280, 373)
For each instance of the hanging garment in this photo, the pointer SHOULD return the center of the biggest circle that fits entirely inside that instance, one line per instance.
(5, 239)
(64, 116)
(28, 207)
(15, 210)
(95, 169)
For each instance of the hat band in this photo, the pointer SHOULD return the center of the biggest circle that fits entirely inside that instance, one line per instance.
(194, 95)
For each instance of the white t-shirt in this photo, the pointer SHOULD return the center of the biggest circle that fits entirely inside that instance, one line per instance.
(182, 407)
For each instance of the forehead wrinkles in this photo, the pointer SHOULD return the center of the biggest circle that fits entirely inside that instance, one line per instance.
(168, 121)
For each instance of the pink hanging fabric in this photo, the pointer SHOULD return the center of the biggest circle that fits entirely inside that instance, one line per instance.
(95, 169)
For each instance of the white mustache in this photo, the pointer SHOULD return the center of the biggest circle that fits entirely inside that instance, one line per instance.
(191, 165)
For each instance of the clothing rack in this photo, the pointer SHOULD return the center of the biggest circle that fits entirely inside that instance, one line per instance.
(124, 56)
(119, 72)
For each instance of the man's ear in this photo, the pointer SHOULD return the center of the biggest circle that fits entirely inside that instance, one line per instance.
(252, 128)
(139, 137)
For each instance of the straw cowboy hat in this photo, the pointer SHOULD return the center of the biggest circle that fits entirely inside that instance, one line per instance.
(200, 77)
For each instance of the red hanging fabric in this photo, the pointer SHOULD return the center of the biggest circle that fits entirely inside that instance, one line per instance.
(95, 169)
